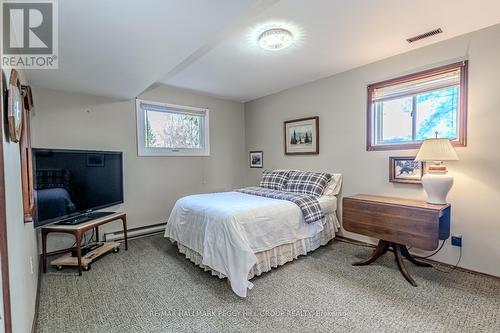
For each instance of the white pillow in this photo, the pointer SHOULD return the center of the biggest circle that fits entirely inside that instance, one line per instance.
(334, 185)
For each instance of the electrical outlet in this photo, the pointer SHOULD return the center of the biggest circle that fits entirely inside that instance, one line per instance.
(456, 240)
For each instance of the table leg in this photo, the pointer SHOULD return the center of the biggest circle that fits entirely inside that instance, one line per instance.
(401, 264)
(44, 250)
(79, 251)
(124, 220)
(96, 231)
(380, 250)
(407, 255)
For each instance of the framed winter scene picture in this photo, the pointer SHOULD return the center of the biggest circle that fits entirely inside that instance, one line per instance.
(405, 170)
(256, 159)
(302, 136)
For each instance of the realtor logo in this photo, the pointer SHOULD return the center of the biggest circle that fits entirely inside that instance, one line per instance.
(29, 38)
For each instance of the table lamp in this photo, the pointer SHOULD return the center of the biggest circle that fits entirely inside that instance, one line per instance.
(437, 182)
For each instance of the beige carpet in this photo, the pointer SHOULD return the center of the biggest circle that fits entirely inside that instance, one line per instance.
(153, 288)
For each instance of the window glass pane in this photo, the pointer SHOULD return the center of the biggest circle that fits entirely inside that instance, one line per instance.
(396, 120)
(173, 130)
(437, 111)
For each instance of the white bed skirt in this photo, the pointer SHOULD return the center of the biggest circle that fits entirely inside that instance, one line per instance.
(280, 255)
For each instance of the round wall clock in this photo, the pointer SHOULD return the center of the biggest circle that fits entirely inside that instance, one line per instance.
(15, 107)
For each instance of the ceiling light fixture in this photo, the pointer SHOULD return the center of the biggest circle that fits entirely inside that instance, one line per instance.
(275, 39)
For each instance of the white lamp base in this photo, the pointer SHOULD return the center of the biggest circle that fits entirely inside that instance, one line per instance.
(437, 186)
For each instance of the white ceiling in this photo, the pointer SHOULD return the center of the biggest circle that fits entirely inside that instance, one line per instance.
(119, 48)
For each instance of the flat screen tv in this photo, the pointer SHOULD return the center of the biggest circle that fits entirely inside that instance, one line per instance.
(74, 183)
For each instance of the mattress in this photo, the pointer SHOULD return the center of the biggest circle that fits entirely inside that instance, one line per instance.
(328, 203)
(227, 229)
(279, 255)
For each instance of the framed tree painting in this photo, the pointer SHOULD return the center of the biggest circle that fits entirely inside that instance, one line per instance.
(256, 159)
(406, 170)
(301, 136)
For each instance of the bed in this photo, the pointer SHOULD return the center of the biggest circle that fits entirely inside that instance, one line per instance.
(237, 235)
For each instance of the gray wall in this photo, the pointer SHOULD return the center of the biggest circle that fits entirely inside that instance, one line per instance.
(21, 239)
(340, 102)
(152, 184)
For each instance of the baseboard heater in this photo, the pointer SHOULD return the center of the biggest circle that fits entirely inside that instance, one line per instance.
(135, 232)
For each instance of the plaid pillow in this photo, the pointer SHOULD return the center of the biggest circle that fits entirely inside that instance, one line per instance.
(312, 183)
(274, 179)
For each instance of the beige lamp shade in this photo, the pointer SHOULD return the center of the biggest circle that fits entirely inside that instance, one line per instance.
(437, 150)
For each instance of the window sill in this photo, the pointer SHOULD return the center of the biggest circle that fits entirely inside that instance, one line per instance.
(172, 154)
(406, 146)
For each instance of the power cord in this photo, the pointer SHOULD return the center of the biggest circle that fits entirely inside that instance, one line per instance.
(436, 252)
(91, 237)
(453, 267)
(432, 254)
(85, 241)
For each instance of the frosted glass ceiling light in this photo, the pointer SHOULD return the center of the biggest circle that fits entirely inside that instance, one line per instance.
(275, 39)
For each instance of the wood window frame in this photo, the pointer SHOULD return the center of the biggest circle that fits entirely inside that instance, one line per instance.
(461, 141)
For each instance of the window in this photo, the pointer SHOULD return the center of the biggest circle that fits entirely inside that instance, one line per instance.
(403, 112)
(171, 130)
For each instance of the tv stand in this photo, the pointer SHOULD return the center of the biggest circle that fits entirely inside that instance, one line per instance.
(78, 230)
(84, 218)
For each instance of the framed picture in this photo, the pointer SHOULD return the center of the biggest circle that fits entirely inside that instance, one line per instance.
(256, 159)
(301, 136)
(405, 170)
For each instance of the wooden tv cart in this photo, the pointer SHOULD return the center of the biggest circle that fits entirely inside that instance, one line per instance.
(78, 230)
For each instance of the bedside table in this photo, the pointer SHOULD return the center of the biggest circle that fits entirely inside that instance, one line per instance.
(397, 223)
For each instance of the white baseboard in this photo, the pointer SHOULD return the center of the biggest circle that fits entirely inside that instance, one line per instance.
(135, 233)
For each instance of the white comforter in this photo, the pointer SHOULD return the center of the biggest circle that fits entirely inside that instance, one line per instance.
(228, 228)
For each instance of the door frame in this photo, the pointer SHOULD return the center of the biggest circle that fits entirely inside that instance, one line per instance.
(4, 255)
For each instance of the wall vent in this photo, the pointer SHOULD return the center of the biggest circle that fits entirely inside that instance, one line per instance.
(424, 35)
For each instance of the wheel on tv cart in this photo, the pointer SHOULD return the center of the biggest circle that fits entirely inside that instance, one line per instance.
(59, 267)
(87, 268)
(116, 250)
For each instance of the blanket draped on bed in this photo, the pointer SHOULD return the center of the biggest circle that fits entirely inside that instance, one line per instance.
(227, 229)
(308, 204)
